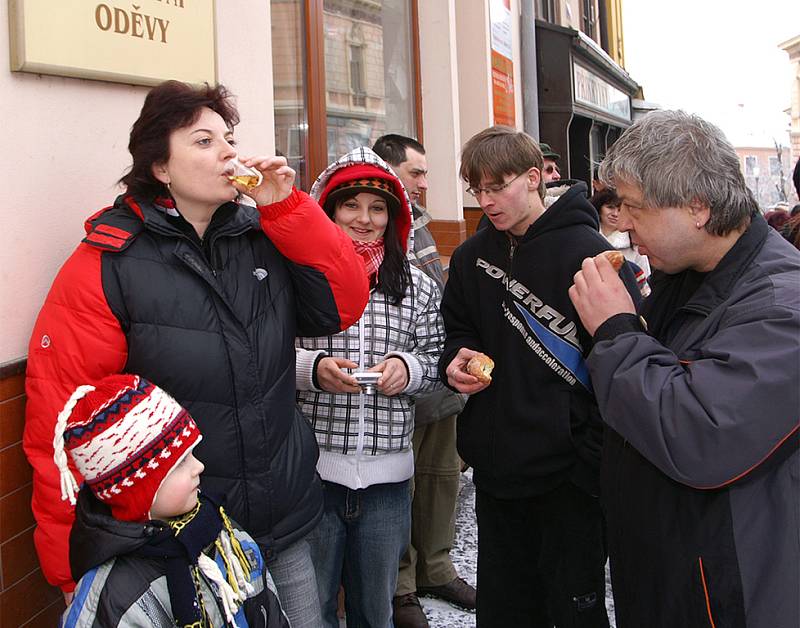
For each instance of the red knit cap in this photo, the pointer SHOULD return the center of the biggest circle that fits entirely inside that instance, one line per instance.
(124, 436)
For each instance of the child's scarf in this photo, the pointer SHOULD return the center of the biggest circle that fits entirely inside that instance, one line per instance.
(181, 546)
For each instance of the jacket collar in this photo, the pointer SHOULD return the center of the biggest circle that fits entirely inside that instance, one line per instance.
(155, 215)
(719, 282)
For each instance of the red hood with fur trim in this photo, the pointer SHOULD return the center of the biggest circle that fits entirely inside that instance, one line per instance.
(359, 164)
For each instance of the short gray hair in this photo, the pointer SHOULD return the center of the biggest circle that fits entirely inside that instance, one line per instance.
(678, 158)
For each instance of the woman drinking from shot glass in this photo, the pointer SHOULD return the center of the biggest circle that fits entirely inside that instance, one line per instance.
(180, 283)
(364, 436)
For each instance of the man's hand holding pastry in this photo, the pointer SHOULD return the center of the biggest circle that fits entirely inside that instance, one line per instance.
(459, 375)
(598, 292)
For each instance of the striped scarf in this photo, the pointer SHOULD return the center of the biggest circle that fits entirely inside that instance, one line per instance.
(372, 252)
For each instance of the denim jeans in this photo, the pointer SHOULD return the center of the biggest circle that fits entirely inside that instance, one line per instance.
(293, 574)
(358, 543)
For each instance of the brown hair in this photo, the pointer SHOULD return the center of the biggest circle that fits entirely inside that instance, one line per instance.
(169, 106)
(497, 152)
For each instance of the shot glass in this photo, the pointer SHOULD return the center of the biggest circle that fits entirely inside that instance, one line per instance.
(237, 172)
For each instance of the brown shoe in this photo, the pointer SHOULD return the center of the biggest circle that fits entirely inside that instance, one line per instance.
(407, 612)
(457, 592)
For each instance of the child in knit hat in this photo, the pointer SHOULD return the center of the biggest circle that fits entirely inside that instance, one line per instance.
(147, 548)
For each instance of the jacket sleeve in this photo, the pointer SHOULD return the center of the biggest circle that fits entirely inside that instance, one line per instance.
(708, 421)
(76, 340)
(305, 363)
(428, 339)
(330, 282)
(457, 314)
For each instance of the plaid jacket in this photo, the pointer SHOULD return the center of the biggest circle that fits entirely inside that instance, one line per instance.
(412, 331)
(354, 430)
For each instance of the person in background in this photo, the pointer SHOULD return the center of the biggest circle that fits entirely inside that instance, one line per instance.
(182, 284)
(366, 461)
(606, 202)
(147, 548)
(777, 218)
(698, 390)
(533, 432)
(550, 169)
(426, 567)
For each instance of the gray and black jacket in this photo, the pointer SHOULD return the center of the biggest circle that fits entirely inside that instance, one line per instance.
(701, 472)
(117, 589)
(444, 403)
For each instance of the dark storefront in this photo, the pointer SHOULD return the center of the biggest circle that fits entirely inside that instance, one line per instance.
(584, 98)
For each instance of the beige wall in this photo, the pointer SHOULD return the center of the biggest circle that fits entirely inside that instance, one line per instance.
(440, 110)
(475, 101)
(66, 144)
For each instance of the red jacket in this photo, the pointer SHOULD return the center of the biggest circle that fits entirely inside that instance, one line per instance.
(215, 327)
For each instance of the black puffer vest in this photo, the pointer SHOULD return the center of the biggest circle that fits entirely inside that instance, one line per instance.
(215, 328)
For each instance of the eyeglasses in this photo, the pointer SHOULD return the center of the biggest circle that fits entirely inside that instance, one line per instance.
(493, 189)
(550, 169)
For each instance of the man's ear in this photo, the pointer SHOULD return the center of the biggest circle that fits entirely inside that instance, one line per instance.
(534, 178)
(160, 173)
(701, 212)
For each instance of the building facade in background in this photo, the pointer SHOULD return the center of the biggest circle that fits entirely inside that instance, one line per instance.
(768, 173)
(792, 48)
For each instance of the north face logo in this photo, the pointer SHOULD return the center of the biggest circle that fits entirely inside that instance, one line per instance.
(260, 274)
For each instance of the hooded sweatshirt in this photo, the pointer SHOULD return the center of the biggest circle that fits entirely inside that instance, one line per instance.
(366, 439)
(537, 424)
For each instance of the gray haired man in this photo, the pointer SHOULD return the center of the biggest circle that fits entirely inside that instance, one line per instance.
(701, 402)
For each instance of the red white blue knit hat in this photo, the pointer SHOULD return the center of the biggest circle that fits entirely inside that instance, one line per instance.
(124, 435)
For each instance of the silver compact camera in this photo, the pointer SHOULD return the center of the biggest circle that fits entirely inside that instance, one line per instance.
(367, 381)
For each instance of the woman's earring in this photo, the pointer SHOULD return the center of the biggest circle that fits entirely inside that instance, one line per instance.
(697, 223)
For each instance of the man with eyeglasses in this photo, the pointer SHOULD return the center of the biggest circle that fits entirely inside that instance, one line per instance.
(550, 171)
(533, 434)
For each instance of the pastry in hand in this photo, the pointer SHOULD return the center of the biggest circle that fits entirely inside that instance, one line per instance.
(616, 258)
(481, 366)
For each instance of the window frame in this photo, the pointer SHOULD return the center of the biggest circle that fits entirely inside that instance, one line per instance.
(317, 137)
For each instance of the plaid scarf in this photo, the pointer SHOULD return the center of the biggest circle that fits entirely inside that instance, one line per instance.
(372, 252)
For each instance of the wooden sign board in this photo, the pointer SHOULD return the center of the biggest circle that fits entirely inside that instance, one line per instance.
(143, 42)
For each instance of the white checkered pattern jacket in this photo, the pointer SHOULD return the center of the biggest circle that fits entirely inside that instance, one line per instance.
(366, 439)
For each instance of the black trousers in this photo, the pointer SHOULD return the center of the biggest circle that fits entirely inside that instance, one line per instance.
(541, 561)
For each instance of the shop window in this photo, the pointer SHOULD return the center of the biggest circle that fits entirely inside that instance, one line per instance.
(346, 72)
(289, 81)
